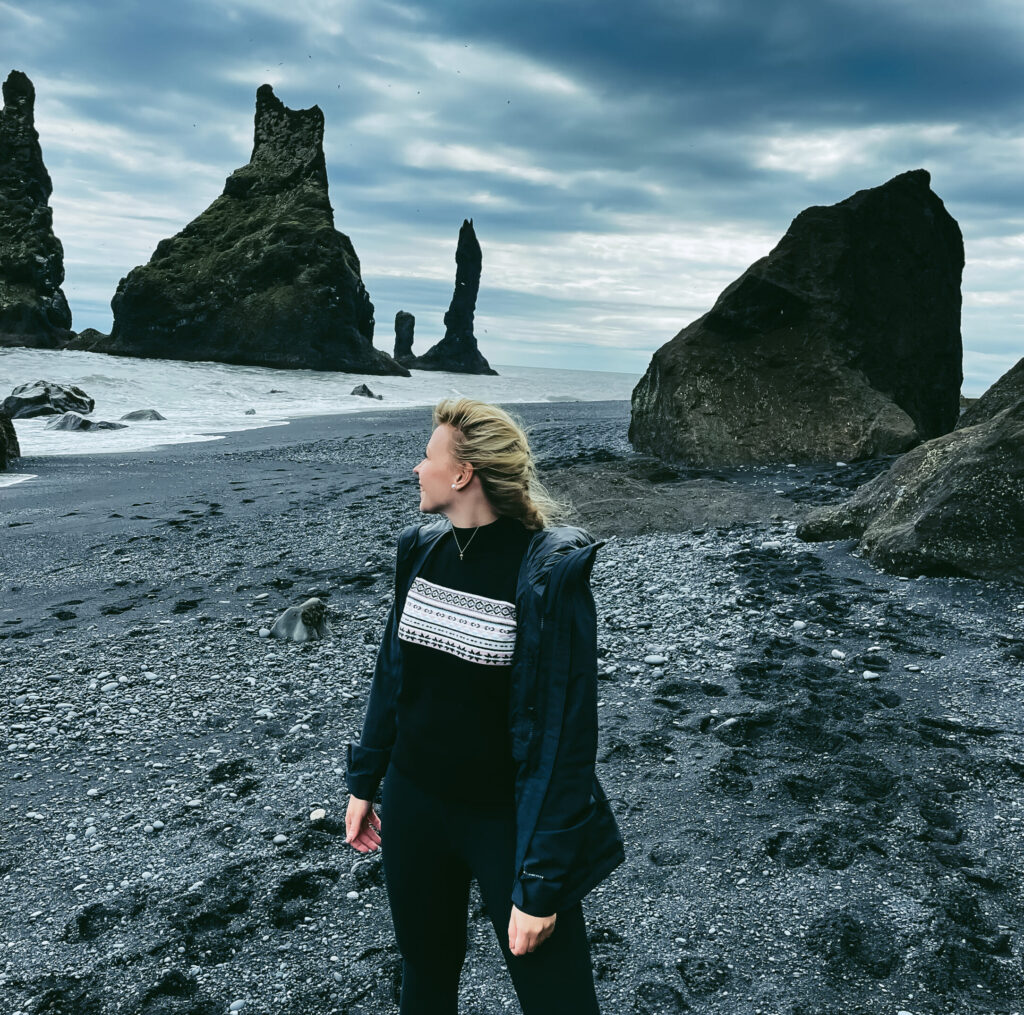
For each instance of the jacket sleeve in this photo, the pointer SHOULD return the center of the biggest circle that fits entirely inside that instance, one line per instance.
(367, 761)
(558, 839)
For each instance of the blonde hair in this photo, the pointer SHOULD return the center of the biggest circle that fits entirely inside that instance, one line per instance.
(494, 442)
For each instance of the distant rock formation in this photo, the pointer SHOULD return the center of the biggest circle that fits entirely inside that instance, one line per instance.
(142, 416)
(364, 391)
(72, 421)
(951, 506)
(33, 310)
(261, 277)
(842, 343)
(1007, 391)
(405, 326)
(45, 398)
(458, 351)
(89, 340)
(9, 447)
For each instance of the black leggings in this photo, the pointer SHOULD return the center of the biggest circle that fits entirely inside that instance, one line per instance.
(431, 849)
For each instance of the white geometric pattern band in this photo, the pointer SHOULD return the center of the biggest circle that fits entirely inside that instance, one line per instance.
(474, 628)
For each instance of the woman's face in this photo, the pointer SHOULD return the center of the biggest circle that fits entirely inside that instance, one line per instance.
(438, 471)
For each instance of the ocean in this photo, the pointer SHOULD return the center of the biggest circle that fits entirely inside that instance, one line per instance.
(204, 400)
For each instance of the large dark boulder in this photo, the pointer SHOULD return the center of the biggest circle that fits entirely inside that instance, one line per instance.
(843, 342)
(458, 351)
(951, 506)
(1007, 391)
(45, 398)
(9, 447)
(33, 310)
(405, 327)
(262, 276)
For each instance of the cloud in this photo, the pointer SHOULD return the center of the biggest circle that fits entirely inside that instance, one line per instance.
(621, 166)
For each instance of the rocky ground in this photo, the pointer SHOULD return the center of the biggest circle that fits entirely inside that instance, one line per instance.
(816, 767)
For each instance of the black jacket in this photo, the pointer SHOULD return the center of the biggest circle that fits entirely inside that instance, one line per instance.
(567, 840)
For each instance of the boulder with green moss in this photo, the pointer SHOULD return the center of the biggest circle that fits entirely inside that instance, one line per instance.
(261, 277)
(33, 310)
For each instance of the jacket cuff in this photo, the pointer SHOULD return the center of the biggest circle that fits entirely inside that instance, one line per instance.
(540, 886)
(365, 767)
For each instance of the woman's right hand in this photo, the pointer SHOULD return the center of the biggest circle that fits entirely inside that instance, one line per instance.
(362, 825)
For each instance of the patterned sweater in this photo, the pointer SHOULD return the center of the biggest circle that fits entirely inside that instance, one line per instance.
(458, 633)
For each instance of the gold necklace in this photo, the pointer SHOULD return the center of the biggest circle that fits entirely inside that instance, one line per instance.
(468, 541)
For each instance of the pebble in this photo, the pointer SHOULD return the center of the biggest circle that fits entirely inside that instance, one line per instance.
(110, 685)
(912, 667)
(264, 632)
(92, 792)
(236, 1005)
(195, 803)
(655, 660)
(799, 625)
(870, 675)
(352, 895)
(317, 815)
(280, 839)
(259, 598)
(838, 654)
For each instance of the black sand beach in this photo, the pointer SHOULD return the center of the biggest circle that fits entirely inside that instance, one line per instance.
(816, 766)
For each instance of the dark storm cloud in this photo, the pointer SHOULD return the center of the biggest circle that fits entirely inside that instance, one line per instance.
(622, 163)
(740, 61)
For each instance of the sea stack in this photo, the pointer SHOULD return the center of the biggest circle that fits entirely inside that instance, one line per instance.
(33, 310)
(405, 326)
(458, 351)
(842, 343)
(261, 277)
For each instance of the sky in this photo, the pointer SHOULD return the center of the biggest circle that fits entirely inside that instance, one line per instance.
(622, 163)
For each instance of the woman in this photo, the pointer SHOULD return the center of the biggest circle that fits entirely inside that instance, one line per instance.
(482, 722)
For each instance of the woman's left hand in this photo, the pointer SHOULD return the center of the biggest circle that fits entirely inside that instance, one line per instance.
(525, 932)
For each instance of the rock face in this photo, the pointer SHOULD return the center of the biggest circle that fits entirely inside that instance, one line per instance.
(951, 506)
(261, 277)
(1007, 391)
(843, 342)
(405, 326)
(458, 351)
(33, 310)
(9, 447)
(45, 398)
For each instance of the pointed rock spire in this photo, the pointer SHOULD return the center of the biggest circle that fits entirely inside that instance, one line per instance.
(33, 310)
(458, 351)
